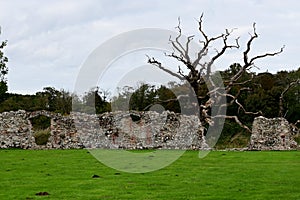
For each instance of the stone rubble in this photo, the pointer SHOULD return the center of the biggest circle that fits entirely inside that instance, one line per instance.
(132, 130)
(126, 130)
(139, 130)
(272, 134)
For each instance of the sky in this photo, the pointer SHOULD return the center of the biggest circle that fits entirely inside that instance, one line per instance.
(49, 41)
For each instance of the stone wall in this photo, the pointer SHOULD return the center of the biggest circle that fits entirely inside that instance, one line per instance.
(132, 130)
(272, 134)
(127, 130)
(16, 131)
(139, 130)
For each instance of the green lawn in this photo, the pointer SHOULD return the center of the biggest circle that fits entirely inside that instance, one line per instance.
(67, 174)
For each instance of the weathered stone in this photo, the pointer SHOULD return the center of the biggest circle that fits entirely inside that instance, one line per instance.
(115, 130)
(271, 134)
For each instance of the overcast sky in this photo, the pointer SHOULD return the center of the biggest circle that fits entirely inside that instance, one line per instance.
(49, 40)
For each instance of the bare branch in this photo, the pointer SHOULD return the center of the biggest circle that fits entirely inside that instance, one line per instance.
(182, 59)
(266, 54)
(176, 44)
(199, 71)
(225, 47)
(180, 71)
(189, 39)
(236, 120)
(292, 84)
(249, 63)
(247, 112)
(203, 52)
(234, 97)
(159, 65)
(246, 62)
(200, 28)
(235, 84)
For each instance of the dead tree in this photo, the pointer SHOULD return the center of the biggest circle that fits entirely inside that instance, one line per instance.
(199, 70)
(290, 85)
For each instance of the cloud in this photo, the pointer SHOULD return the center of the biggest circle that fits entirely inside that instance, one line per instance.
(48, 41)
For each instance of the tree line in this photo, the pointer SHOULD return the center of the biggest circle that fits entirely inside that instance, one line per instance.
(263, 93)
(244, 94)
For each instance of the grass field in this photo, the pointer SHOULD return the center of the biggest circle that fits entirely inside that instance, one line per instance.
(67, 174)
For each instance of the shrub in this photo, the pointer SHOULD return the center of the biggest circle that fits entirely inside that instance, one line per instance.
(40, 122)
(297, 139)
(41, 136)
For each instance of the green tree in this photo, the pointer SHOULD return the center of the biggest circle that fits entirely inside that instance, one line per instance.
(290, 96)
(56, 101)
(3, 71)
(120, 102)
(167, 98)
(95, 101)
(143, 97)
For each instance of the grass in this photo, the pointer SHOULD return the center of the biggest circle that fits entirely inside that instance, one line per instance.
(67, 174)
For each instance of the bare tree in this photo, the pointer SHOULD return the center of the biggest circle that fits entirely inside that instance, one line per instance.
(199, 70)
(281, 98)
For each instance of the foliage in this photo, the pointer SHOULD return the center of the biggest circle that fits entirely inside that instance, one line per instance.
(261, 93)
(292, 98)
(94, 101)
(146, 96)
(41, 136)
(120, 102)
(24, 102)
(3, 90)
(3, 71)
(57, 101)
(143, 97)
(232, 136)
(40, 122)
(297, 139)
(254, 98)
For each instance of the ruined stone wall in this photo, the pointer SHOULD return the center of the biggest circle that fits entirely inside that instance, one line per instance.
(272, 134)
(16, 131)
(132, 130)
(127, 130)
(139, 130)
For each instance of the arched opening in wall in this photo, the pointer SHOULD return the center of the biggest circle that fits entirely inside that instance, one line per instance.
(41, 129)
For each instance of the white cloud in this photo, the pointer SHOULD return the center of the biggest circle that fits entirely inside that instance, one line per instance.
(48, 41)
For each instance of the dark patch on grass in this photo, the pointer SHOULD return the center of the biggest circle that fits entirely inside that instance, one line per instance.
(117, 173)
(96, 176)
(42, 194)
